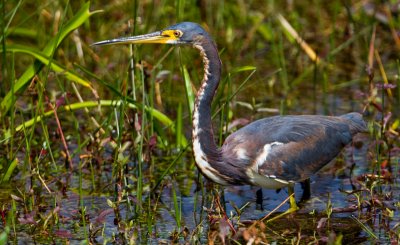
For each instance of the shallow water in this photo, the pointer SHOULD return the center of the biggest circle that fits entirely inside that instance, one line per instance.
(328, 185)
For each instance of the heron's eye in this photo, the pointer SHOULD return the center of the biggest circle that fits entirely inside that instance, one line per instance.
(177, 33)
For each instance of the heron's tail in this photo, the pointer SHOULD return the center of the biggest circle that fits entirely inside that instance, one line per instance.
(357, 123)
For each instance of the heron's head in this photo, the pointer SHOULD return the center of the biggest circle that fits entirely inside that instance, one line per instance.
(181, 33)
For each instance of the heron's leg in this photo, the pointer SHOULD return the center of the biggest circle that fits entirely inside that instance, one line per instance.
(306, 190)
(259, 199)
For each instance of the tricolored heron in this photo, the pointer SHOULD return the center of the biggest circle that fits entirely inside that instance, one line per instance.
(273, 152)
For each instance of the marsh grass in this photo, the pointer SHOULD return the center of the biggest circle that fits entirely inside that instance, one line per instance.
(95, 142)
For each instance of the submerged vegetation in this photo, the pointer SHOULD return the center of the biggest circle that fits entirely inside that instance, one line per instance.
(95, 142)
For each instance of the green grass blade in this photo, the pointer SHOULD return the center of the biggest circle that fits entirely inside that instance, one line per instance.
(4, 235)
(243, 68)
(10, 170)
(49, 62)
(189, 91)
(21, 32)
(165, 120)
(81, 16)
(179, 126)
(12, 13)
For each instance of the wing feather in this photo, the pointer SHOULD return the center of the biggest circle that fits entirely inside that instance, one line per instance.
(298, 146)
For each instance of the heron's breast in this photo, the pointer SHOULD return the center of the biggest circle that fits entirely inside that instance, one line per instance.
(203, 164)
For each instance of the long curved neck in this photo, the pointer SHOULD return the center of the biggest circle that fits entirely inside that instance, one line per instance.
(207, 153)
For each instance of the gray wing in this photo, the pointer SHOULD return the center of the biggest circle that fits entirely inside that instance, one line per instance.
(291, 148)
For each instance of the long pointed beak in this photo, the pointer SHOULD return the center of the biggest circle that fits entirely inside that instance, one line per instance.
(154, 37)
